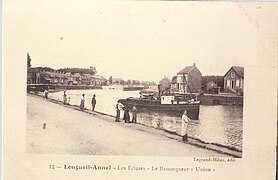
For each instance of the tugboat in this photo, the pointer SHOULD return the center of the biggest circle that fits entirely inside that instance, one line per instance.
(175, 104)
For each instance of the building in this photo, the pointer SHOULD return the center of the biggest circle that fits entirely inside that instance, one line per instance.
(45, 75)
(234, 79)
(189, 79)
(98, 80)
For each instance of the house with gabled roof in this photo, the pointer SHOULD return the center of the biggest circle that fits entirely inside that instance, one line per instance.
(189, 79)
(234, 79)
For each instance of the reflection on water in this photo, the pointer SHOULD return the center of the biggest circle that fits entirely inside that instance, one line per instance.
(221, 124)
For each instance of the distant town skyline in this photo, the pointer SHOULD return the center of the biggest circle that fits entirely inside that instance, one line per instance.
(140, 40)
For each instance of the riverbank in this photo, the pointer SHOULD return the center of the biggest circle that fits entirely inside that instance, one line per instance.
(172, 137)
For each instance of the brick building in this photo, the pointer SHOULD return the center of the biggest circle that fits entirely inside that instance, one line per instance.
(189, 79)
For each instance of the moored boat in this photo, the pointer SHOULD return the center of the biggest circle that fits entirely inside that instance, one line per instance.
(167, 103)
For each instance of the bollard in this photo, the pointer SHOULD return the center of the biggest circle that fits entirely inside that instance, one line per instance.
(44, 125)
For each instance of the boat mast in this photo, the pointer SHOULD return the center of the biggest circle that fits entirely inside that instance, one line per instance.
(183, 86)
(187, 87)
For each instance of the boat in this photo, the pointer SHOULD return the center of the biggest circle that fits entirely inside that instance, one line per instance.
(172, 104)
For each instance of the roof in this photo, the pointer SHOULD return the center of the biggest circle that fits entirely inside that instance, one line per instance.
(186, 70)
(239, 70)
(165, 80)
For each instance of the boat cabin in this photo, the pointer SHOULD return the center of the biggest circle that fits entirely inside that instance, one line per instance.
(177, 99)
(148, 94)
(167, 99)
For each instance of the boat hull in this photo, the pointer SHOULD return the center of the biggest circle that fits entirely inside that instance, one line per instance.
(146, 105)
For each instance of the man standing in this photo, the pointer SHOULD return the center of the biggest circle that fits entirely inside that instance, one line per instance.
(82, 103)
(46, 93)
(126, 115)
(184, 123)
(65, 98)
(134, 114)
(94, 102)
(118, 111)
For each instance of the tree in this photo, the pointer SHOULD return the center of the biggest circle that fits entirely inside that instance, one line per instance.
(93, 70)
(110, 79)
(28, 60)
(122, 81)
(219, 80)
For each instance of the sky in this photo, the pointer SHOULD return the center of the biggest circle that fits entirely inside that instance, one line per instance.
(141, 40)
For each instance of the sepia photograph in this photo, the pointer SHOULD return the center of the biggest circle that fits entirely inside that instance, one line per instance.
(101, 89)
(124, 86)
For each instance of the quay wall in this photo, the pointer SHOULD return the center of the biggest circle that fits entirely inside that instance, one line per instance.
(208, 99)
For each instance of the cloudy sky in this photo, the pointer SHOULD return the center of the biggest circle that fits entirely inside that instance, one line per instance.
(140, 40)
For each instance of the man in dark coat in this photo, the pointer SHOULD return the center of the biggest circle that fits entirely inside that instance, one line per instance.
(126, 115)
(94, 102)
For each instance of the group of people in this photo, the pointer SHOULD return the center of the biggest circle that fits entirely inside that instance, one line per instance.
(126, 116)
(93, 102)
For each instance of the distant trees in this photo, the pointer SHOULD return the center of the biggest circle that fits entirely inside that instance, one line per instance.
(45, 69)
(81, 71)
(122, 81)
(219, 80)
(110, 79)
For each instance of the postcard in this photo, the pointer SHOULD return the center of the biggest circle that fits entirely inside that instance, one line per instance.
(139, 89)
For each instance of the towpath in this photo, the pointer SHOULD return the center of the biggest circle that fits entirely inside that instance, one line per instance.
(56, 129)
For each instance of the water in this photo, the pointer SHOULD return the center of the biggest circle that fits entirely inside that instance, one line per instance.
(221, 124)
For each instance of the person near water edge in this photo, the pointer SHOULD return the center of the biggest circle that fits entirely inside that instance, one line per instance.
(82, 103)
(118, 111)
(134, 114)
(184, 124)
(46, 93)
(93, 102)
(126, 115)
(65, 98)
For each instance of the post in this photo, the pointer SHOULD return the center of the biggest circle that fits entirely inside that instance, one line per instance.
(183, 86)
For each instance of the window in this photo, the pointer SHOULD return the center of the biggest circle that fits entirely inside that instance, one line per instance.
(237, 82)
(228, 83)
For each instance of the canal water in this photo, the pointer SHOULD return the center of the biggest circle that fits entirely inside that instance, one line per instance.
(221, 124)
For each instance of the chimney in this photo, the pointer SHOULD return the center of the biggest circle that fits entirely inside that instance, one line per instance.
(193, 64)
